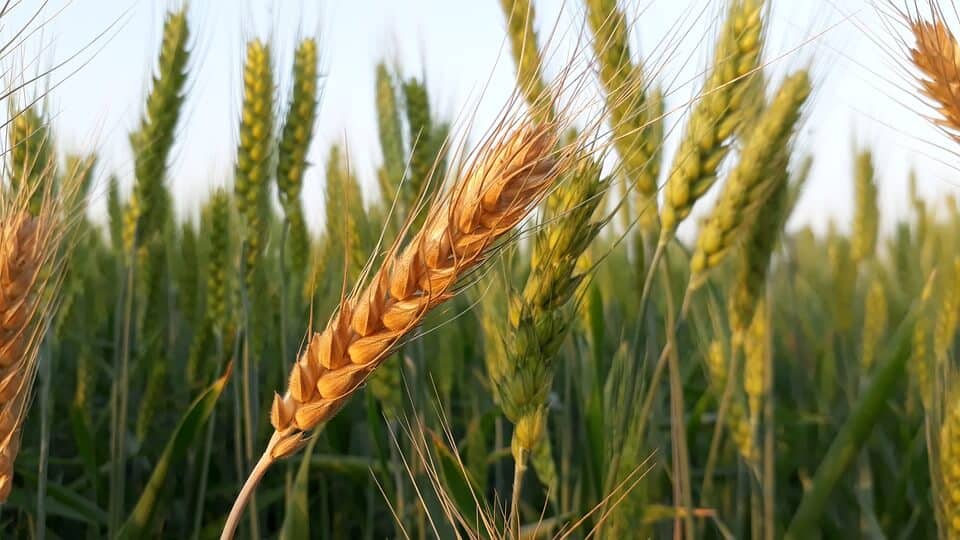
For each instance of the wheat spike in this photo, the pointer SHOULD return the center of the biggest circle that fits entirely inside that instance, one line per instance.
(150, 205)
(750, 184)
(716, 116)
(500, 186)
(295, 138)
(254, 154)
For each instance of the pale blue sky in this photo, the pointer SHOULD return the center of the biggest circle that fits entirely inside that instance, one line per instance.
(459, 44)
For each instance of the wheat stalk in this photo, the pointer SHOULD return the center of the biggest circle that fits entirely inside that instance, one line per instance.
(505, 180)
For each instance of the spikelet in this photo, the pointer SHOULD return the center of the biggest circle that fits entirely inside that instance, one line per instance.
(420, 124)
(635, 120)
(716, 116)
(538, 320)
(523, 43)
(866, 218)
(874, 324)
(750, 184)
(149, 208)
(251, 177)
(936, 55)
(296, 134)
(496, 192)
(716, 364)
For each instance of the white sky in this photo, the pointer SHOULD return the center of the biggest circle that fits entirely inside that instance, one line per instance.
(459, 45)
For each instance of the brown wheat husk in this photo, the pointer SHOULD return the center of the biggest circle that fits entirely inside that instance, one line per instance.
(936, 54)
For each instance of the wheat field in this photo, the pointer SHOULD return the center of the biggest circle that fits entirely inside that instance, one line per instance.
(513, 338)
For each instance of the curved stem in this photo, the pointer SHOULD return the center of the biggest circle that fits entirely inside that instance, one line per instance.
(519, 469)
(246, 492)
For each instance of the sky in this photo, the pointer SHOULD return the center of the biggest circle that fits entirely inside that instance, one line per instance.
(107, 49)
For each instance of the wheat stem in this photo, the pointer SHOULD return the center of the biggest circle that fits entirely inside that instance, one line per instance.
(249, 487)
